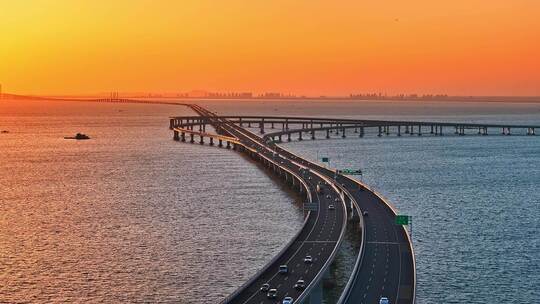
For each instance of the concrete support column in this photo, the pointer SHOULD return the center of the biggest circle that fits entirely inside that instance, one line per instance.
(398, 130)
(288, 136)
(183, 137)
(201, 141)
(261, 126)
(220, 144)
(176, 137)
(361, 131)
(228, 144)
(300, 135)
(327, 133)
(432, 130)
(313, 134)
(419, 130)
(387, 130)
(456, 130)
(171, 123)
(211, 141)
(406, 129)
(380, 132)
(441, 131)
(272, 126)
(192, 140)
(343, 135)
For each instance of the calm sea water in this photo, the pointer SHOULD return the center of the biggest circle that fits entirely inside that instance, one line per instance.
(132, 216)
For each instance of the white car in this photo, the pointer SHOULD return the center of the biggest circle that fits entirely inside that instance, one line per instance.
(287, 300)
(384, 300)
(272, 293)
(308, 259)
(331, 207)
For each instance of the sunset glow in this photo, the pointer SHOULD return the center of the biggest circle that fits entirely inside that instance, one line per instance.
(461, 47)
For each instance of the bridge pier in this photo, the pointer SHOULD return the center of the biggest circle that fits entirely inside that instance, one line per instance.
(361, 131)
(387, 130)
(261, 126)
(380, 131)
(272, 126)
(228, 144)
(171, 123)
(355, 129)
(192, 140)
(201, 141)
(456, 130)
(300, 135)
(211, 141)
(398, 130)
(406, 129)
(313, 134)
(327, 133)
(440, 130)
(288, 136)
(220, 144)
(176, 137)
(432, 130)
(419, 130)
(280, 138)
(343, 135)
(183, 137)
(530, 131)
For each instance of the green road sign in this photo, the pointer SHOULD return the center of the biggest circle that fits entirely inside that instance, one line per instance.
(350, 172)
(325, 159)
(402, 220)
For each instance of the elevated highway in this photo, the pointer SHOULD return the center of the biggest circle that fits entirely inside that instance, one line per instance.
(319, 237)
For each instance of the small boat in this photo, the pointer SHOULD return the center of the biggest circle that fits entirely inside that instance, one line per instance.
(78, 136)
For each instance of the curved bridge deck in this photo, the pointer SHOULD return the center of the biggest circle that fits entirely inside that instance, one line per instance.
(320, 236)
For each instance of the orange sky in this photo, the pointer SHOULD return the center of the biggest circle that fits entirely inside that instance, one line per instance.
(463, 47)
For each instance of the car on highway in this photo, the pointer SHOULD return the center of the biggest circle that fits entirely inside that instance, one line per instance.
(300, 284)
(272, 293)
(265, 287)
(365, 213)
(328, 196)
(336, 200)
(331, 207)
(384, 300)
(308, 259)
(283, 269)
(287, 300)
